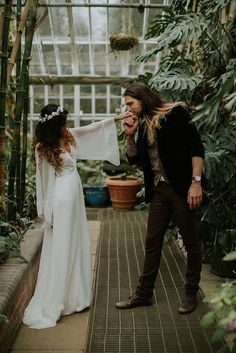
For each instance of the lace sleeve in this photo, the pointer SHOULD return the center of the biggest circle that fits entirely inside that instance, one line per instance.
(45, 183)
(97, 141)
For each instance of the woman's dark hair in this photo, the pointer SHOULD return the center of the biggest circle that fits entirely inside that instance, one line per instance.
(49, 132)
(150, 99)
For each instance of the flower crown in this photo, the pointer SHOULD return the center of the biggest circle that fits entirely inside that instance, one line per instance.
(46, 117)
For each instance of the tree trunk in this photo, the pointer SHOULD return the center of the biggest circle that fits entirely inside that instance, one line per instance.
(17, 57)
(1, 24)
(16, 45)
(21, 93)
(24, 148)
(3, 87)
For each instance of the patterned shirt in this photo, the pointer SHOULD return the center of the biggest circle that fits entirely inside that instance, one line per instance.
(152, 150)
(156, 165)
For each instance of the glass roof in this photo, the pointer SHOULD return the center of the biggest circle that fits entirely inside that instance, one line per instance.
(73, 38)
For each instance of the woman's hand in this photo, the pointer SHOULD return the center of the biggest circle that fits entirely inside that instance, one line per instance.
(126, 115)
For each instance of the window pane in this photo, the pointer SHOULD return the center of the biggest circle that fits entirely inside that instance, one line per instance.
(38, 105)
(81, 23)
(53, 101)
(101, 106)
(38, 91)
(85, 122)
(86, 106)
(115, 90)
(84, 59)
(101, 90)
(35, 69)
(53, 91)
(99, 25)
(66, 69)
(69, 105)
(115, 105)
(68, 90)
(85, 90)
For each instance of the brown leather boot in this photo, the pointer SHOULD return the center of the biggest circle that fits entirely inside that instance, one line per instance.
(133, 301)
(188, 305)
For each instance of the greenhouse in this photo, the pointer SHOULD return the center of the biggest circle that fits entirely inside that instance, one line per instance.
(117, 176)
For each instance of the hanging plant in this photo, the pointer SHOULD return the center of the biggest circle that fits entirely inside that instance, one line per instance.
(125, 39)
(122, 41)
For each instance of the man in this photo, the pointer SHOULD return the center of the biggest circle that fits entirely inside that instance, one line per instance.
(170, 152)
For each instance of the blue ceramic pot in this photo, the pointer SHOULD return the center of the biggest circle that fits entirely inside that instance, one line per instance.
(96, 196)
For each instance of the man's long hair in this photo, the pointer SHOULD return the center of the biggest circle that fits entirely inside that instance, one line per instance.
(48, 134)
(153, 106)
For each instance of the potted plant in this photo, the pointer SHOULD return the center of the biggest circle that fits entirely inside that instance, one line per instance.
(123, 41)
(123, 190)
(96, 192)
(123, 186)
(94, 185)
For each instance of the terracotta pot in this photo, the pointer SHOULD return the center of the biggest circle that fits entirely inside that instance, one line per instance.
(123, 191)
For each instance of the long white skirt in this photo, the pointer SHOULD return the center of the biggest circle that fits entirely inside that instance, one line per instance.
(64, 279)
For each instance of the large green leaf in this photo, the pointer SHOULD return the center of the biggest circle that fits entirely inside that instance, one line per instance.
(230, 257)
(213, 6)
(160, 22)
(175, 80)
(208, 113)
(184, 28)
(220, 158)
(208, 319)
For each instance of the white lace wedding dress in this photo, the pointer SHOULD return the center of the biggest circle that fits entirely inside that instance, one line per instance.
(64, 278)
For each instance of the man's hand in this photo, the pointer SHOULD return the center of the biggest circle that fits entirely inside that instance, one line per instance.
(131, 123)
(195, 195)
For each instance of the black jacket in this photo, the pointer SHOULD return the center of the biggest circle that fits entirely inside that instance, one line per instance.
(178, 141)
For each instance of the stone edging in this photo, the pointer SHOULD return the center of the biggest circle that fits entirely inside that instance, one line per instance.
(17, 282)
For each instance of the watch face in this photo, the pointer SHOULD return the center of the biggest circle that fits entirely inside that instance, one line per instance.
(197, 178)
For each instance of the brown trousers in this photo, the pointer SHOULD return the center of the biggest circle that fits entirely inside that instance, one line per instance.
(166, 202)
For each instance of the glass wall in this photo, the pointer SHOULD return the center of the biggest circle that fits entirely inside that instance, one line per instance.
(85, 103)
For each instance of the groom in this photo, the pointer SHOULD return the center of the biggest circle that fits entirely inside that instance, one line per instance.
(170, 152)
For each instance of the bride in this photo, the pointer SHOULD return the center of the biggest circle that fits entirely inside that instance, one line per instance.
(64, 279)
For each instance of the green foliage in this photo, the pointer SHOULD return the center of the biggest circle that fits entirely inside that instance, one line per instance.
(220, 156)
(211, 8)
(12, 235)
(173, 29)
(91, 172)
(209, 113)
(223, 318)
(169, 82)
(3, 319)
(230, 257)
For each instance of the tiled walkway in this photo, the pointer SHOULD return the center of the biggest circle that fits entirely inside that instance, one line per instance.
(118, 261)
(158, 328)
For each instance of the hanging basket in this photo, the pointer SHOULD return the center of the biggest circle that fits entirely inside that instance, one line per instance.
(121, 41)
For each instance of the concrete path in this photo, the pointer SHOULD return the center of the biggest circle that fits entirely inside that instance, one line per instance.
(69, 336)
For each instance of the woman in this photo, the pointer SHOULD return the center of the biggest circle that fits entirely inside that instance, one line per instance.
(64, 282)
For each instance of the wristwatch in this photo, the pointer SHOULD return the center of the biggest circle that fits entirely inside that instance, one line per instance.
(196, 178)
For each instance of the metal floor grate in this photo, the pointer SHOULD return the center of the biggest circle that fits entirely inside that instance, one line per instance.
(155, 329)
(92, 213)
